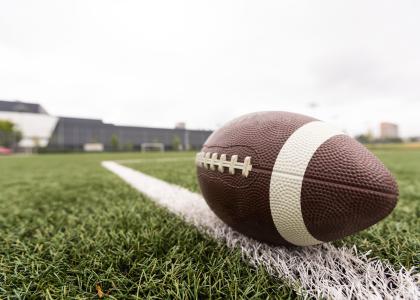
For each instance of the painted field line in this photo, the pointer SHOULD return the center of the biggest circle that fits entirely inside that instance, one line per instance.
(316, 271)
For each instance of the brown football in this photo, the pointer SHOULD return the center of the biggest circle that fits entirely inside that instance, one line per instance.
(289, 179)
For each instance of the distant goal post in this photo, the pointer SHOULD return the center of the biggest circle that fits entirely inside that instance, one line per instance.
(152, 147)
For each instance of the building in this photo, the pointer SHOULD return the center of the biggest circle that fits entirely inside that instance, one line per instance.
(388, 131)
(40, 129)
(32, 120)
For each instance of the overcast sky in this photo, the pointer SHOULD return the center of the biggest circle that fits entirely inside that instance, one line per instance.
(154, 63)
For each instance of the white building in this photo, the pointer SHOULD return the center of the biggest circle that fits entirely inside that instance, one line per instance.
(32, 120)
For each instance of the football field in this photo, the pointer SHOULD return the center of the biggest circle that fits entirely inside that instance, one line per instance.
(71, 228)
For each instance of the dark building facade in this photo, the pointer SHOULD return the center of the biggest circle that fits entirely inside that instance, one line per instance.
(74, 133)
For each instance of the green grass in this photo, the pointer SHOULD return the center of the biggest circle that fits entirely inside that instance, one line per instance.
(396, 239)
(177, 172)
(67, 225)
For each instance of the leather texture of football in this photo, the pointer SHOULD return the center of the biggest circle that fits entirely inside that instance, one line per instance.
(288, 179)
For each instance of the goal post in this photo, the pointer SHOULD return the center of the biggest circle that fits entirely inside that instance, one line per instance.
(152, 147)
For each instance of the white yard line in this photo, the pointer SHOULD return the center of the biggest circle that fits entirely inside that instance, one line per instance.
(317, 271)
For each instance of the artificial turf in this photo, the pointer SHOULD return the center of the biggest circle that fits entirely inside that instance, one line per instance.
(68, 227)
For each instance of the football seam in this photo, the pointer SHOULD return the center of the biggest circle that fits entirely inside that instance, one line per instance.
(332, 183)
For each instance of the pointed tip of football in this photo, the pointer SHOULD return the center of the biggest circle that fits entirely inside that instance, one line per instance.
(345, 189)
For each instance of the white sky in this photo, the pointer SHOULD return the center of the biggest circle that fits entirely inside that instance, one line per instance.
(154, 63)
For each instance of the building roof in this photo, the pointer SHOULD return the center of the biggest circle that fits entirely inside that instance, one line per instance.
(98, 122)
(17, 106)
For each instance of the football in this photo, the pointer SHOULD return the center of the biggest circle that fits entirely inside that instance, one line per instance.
(288, 179)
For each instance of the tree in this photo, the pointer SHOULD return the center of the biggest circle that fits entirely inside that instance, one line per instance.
(10, 136)
(128, 146)
(176, 143)
(363, 138)
(115, 144)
